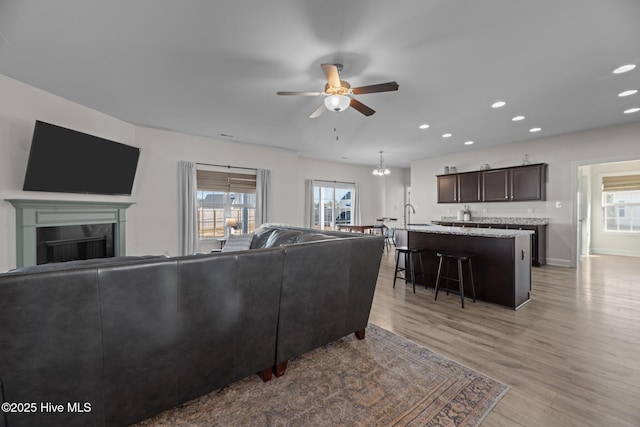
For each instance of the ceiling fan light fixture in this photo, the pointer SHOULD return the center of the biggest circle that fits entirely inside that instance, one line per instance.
(337, 103)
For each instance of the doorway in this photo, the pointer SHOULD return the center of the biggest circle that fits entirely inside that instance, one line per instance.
(608, 209)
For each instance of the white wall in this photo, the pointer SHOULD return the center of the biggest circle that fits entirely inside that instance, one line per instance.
(610, 242)
(563, 153)
(152, 222)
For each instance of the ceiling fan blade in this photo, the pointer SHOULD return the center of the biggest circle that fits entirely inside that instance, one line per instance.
(381, 87)
(318, 111)
(332, 75)
(357, 105)
(301, 93)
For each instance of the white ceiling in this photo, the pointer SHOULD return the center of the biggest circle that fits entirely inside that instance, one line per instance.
(213, 67)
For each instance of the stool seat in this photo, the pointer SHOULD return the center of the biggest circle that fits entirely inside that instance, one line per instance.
(458, 258)
(409, 254)
(409, 250)
(461, 256)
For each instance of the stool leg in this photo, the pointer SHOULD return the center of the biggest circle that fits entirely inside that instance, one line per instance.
(438, 277)
(407, 268)
(448, 273)
(395, 274)
(413, 272)
(473, 289)
(422, 269)
(461, 281)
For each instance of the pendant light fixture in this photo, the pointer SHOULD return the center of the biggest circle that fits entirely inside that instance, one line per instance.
(380, 170)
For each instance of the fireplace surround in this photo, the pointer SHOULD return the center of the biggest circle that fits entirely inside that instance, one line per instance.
(34, 214)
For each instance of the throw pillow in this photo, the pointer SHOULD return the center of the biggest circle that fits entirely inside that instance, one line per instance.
(238, 242)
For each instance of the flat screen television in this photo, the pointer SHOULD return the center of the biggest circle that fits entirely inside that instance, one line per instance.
(67, 161)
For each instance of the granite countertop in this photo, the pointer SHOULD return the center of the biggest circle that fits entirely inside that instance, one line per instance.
(499, 220)
(470, 231)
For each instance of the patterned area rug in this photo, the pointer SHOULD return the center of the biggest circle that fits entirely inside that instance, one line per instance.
(383, 380)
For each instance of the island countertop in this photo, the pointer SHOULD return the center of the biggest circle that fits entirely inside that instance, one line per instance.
(497, 220)
(469, 231)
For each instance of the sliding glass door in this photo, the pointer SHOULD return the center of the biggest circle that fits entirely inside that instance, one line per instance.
(332, 205)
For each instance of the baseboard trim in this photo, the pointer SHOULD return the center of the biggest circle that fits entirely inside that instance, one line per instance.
(614, 252)
(559, 262)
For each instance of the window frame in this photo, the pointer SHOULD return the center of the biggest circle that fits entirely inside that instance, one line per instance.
(626, 206)
(233, 195)
(319, 215)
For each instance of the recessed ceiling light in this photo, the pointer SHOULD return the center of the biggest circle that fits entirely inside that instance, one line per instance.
(468, 143)
(498, 104)
(535, 129)
(446, 135)
(628, 92)
(632, 110)
(424, 126)
(518, 118)
(624, 68)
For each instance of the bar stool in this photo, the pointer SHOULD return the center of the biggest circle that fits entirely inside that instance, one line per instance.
(459, 258)
(408, 264)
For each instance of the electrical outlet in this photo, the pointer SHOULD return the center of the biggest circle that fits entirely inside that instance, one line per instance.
(485, 210)
(558, 205)
(530, 210)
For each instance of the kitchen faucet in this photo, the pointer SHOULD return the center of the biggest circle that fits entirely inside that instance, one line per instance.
(405, 213)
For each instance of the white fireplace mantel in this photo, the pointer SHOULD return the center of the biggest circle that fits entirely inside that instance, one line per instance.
(31, 214)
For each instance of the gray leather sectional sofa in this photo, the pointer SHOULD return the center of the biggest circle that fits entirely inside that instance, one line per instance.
(124, 339)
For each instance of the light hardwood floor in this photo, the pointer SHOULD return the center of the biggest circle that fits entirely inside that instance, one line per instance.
(571, 356)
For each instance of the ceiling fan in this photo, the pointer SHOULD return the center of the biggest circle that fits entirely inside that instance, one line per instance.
(338, 91)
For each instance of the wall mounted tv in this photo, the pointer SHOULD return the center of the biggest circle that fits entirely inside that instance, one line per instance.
(67, 161)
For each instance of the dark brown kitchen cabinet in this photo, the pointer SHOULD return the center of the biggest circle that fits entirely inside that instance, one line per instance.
(469, 187)
(495, 185)
(528, 182)
(448, 188)
(513, 184)
(538, 242)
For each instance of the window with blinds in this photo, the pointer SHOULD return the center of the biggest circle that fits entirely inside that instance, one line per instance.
(226, 182)
(621, 203)
(226, 203)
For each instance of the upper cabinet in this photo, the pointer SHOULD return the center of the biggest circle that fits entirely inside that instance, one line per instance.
(448, 188)
(495, 185)
(470, 187)
(518, 183)
(528, 182)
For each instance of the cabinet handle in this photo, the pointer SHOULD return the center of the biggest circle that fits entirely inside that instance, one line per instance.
(523, 255)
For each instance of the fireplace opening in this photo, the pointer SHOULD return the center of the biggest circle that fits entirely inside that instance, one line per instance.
(74, 242)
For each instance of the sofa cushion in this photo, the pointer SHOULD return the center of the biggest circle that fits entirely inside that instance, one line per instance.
(312, 237)
(261, 236)
(238, 242)
(282, 237)
(82, 263)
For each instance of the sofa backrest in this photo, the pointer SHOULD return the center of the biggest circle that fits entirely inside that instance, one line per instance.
(51, 344)
(327, 291)
(136, 338)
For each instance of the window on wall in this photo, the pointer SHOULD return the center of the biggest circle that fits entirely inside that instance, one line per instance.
(332, 205)
(621, 203)
(226, 204)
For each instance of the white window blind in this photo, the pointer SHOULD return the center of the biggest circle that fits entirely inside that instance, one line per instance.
(226, 182)
(621, 183)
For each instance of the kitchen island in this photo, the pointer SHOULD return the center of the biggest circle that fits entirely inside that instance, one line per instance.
(501, 259)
